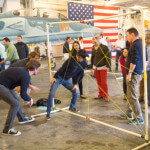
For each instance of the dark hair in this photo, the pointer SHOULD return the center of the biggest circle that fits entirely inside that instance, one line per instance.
(123, 50)
(101, 34)
(120, 34)
(6, 39)
(107, 37)
(32, 64)
(133, 30)
(33, 54)
(75, 42)
(68, 38)
(19, 36)
(80, 38)
(36, 48)
(82, 53)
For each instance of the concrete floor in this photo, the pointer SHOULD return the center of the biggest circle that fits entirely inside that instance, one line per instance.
(68, 132)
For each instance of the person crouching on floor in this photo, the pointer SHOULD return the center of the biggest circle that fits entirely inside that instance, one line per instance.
(72, 68)
(9, 79)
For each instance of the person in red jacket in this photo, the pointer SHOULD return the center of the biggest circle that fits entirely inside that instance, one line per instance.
(122, 60)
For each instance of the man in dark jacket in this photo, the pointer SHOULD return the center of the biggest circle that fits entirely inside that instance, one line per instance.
(72, 68)
(22, 48)
(134, 73)
(9, 79)
(66, 49)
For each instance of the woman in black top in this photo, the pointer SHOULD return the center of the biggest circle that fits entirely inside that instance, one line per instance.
(75, 48)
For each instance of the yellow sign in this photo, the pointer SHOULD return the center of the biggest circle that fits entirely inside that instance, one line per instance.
(64, 26)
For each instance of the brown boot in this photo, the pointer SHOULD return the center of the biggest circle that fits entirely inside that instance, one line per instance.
(98, 97)
(106, 99)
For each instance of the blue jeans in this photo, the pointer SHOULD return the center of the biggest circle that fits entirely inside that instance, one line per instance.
(67, 84)
(2, 65)
(118, 54)
(10, 97)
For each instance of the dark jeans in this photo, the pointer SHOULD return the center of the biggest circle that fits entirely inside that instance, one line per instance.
(118, 54)
(10, 97)
(124, 83)
(80, 86)
(67, 84)
(148, 86)
(110, 62)
(141, 96)
(2, 65)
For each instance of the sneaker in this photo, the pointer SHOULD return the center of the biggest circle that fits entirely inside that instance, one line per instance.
(12, 132)
(74, 110)
(48, 117)
(136, 122)
(124, 116)
(26, 120)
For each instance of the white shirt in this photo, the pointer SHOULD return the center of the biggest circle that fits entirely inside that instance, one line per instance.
(110, 46)
(81, 45)
(102, 41)
(120, 43)
(2, 51)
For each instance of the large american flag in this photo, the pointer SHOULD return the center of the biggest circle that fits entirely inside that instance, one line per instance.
(78, 11)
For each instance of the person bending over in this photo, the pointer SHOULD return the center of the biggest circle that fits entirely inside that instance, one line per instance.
(72, 68)
(9, 79)
(22, 63)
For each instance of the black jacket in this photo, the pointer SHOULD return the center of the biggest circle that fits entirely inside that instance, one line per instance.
(71, 69)
(66, 47)
(22, 50)
(16, 76)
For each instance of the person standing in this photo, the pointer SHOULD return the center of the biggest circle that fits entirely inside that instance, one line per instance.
(22, 48)
(122, 60)
(66, 49)
(81, 42)
(9, 79)
(148, 69)
(120, 45)
(110, 47)
(2, 55)
(134, 73)
(100, 64)
(141, 88)
(75, 49)
(12, 54)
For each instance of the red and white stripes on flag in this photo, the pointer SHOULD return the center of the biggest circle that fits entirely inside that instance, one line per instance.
(109, 26)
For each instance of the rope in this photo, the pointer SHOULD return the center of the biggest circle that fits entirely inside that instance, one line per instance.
(102, 89)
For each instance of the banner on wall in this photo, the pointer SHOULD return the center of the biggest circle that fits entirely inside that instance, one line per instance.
(78, 11)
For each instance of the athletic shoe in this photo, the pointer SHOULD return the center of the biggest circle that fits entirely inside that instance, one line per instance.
(26, 120)
(48, 117)
(74, 110)
(123, 116)
(12, 132)
(136, 122)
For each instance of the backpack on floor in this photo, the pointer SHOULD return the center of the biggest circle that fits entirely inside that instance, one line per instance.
(43, 102)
